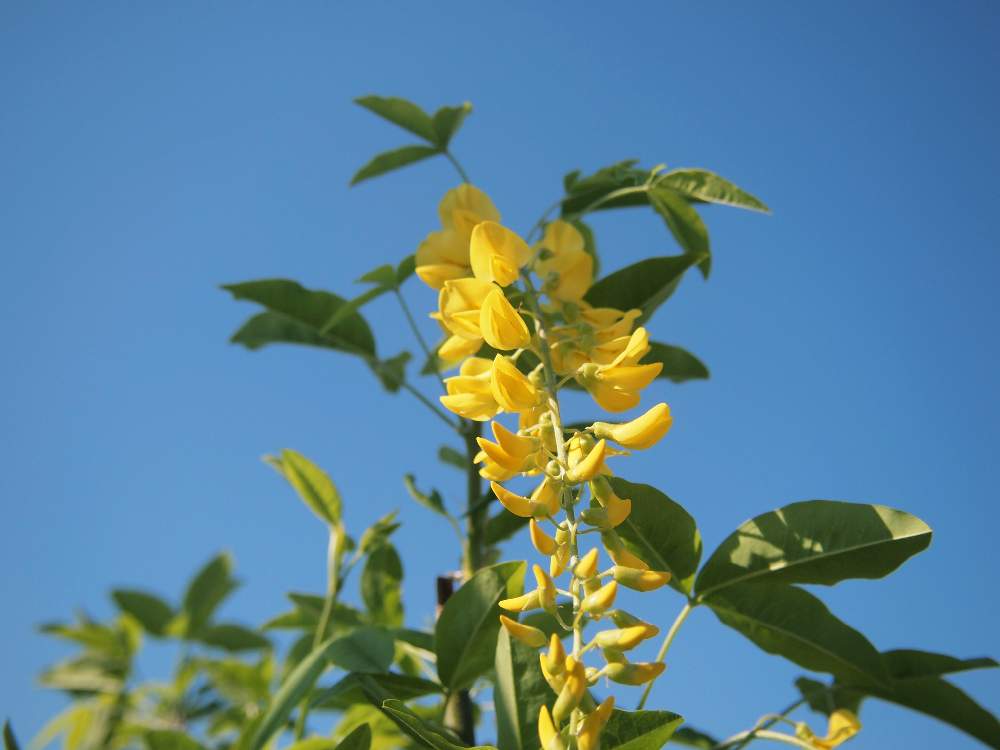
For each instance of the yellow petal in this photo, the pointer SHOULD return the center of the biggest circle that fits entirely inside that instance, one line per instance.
(511, 388)
(519, 506)
(642, 432)
(456, 348)
(545, 544)
(639, 579)
(625, 638)
(572, 691)
(590, 466)
(496, 253)
(632, 377)
(547, 494)
(600, 600)
(463, 207)
(500, 325)
(634, 674)
(521, 603)
(525, 633)
(587, 567)
(547, 732)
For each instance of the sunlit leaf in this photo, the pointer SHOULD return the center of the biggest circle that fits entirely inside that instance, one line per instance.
(644, 285)
(151, 611)
(679, 365)
(702, 185)
(639, 730)
(389, 161)
(401, 112)
(519, 691)
(448, 120)
(206, 591)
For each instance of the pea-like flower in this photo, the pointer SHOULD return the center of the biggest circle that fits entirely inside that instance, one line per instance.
(500, 324)
(548, 735)
(510, 455)
(616, 509)
(588, 737)
(526, 634)
(444, 255)
(496, 253)
(642, 432)
(469, 394)
(634, 673)
(512, 389)
(622, 639)
(566, 269)
(601, 600)
(639, 580)
(843, 724)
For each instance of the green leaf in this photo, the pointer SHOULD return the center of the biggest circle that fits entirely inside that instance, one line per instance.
(388, 161)
(365, 650)
(401, 112)
(448, 120)
(639, 730)
(518, 693)
(151, 611)
(381, 581)
(384, 275)
(392, 372)
(420, 730)
(684, 224)
(405, 269)
(905, 664)
(348, 691)
(315, 743)
(233, 638)
(589, 242)
(313, 485)
(465, 635)
(826, 699)
(433, 501)
(690, 737)
(167, 739)
(678, 365)
(9, 740)
(359, 739)
(583, 192)
(815, 541)
(353, 306)
(503, 526)
(452, 457)
(702, 185)
(294, 688)
(378, 533)
(792, 623)
(660, 532)
(206, 591)
(644, 285)
(299, 314)
(937, 697)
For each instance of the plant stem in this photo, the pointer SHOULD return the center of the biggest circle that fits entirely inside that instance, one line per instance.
(747, 737)
(744, 737)
(332, 590)
(662, 654)
(430, 405)
(458, 167)
(416, 331)
(477, 512)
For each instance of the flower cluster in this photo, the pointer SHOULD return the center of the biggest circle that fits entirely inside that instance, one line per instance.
(518, 328)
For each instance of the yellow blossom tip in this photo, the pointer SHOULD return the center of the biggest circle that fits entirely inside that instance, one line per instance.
(542, 542)
(525, 633)
(638, 579)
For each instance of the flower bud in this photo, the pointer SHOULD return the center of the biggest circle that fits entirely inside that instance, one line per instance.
(637, 673)
(622, 639)
(546, 589)
(642, 432)
(623, 619)
(525, 633)
(590, 729)
(617, 551)
(542, 542)
(522, 603)
(587, 567)
(600, 600)
(640, 580)
(547, 732)
(572, 691)
(590, 466)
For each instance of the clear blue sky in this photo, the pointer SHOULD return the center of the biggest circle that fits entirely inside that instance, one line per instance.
(149, 152)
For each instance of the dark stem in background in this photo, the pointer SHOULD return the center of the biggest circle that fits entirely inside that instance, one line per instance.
(459, 716)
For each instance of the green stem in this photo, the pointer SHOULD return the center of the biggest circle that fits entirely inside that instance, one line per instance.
(416, 331)
(477, 512)
(747, 737)
(430, 405)
(458, 167)
(744, 737)
(662, 654)
(332, 590)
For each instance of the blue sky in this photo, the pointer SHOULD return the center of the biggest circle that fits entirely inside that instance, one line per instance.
(149, 152)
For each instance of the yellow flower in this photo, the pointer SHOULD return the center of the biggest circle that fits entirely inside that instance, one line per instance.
(547, 732)
(525, 633)
(500, 324)
(843, 725)
(634, 674)
(617, 551)
(585, 459)
(518, 505)
(642, 432)
(639, 579)
(459, 305)
(496, 253)
(572, 691)
(469, 394)
(522, 603)
(456, 348)
(568, 271)
(622, 639)
(553, 663)
(590, 729)
(616, 508)
(542, 542)
(547, 494)
(587, 567)
(546, 589)
(509, 455)
(444, 255)
(601, 600)
(616, 388)
(511, 388)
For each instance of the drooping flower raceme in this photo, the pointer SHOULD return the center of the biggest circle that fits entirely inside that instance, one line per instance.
(518, 328)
